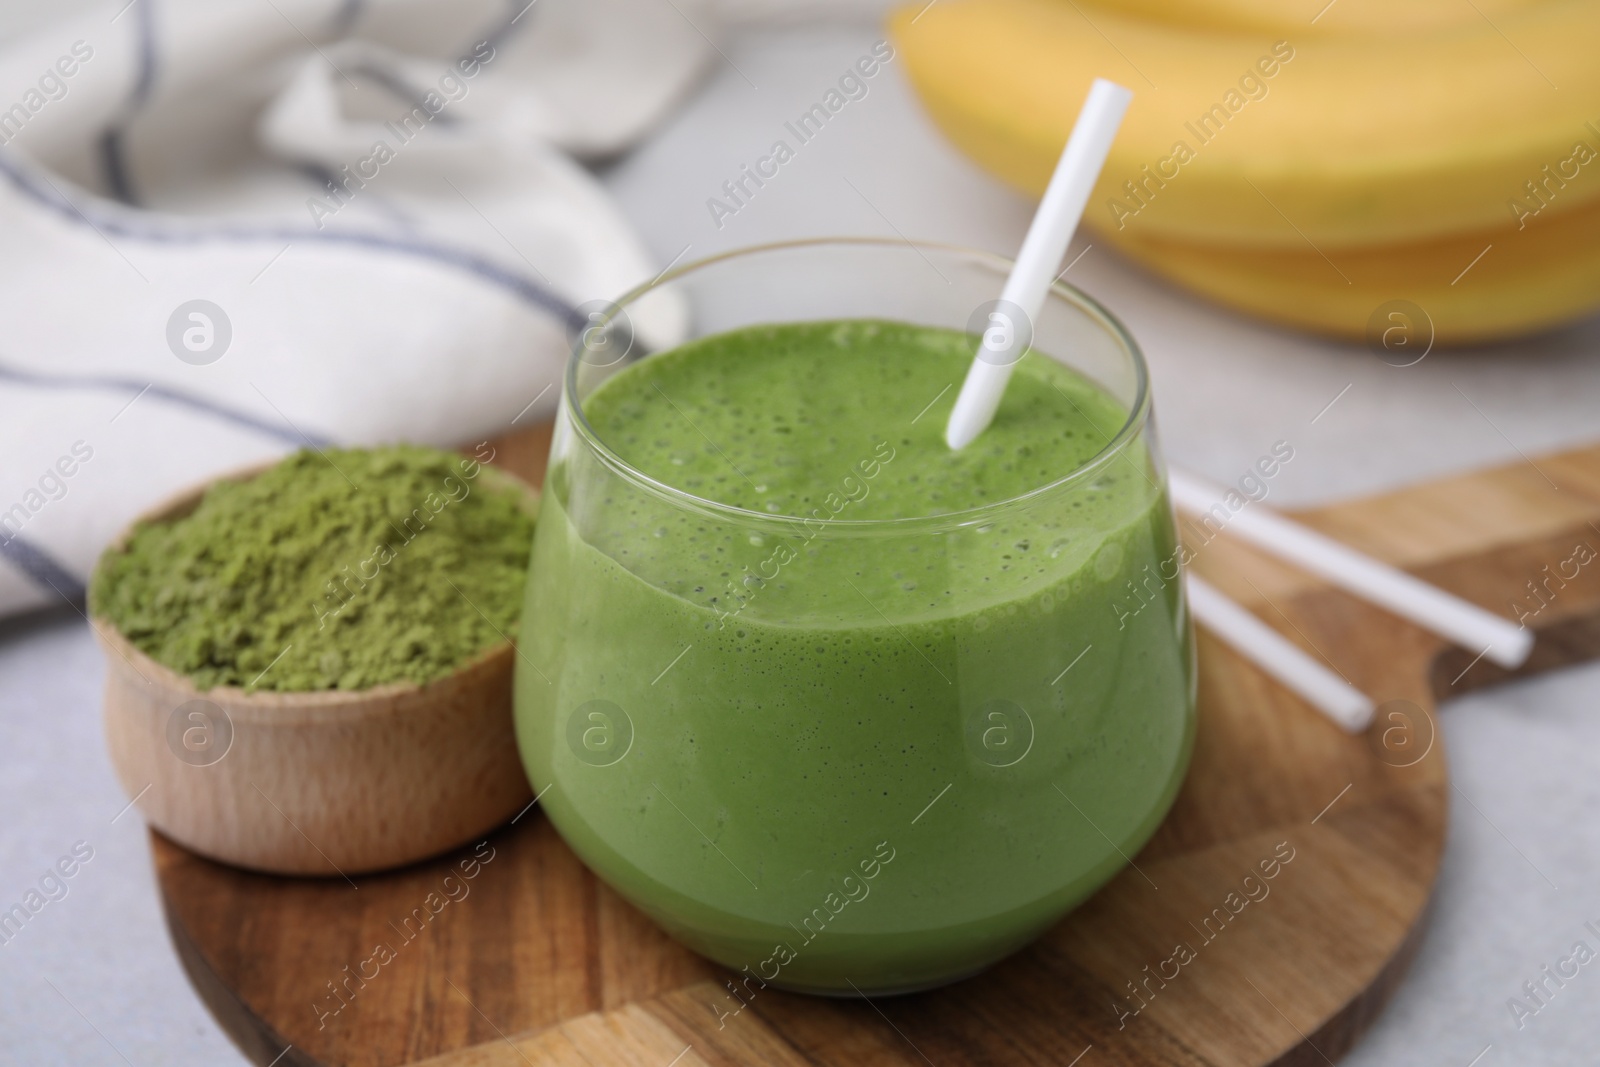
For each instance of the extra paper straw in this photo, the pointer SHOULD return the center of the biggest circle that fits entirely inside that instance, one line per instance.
(1276, 655)
(1023, 297)
(1483, 632)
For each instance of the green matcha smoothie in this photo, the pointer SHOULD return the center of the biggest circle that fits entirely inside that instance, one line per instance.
(837, 706)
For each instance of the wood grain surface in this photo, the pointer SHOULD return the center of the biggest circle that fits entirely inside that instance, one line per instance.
(1180, 961)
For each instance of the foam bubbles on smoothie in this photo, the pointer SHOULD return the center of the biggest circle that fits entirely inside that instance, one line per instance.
(802, 420)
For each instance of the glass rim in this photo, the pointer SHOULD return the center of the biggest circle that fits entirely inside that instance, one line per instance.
(1115, 446)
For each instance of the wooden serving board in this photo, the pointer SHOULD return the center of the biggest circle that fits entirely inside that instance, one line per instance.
(539, 963)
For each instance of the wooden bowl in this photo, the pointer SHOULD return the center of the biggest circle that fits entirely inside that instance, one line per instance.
(318, 783)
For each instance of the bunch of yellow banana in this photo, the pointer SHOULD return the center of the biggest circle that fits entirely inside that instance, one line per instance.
(1305, 160)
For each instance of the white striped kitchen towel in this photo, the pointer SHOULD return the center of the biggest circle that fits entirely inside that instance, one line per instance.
(232, 227)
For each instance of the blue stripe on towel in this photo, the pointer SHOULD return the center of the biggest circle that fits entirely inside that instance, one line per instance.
(416, 247)
(41, 567)
(113, 141)
(344, 20)
(37, 564)
(512, 22)
(162, 392)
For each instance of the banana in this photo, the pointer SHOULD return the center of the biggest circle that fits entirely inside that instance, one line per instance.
(1306, 18)
(1472, 288)
(1237, 138)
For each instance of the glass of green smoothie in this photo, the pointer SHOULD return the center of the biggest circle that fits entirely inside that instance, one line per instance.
(842, 709)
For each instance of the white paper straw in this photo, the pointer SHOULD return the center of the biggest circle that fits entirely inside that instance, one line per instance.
(1275, 654)
(1483, 632)
(1048, 236)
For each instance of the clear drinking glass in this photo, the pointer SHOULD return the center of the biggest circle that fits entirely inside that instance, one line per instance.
(829, 753)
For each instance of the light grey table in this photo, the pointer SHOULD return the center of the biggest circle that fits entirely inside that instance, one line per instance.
(92, 980)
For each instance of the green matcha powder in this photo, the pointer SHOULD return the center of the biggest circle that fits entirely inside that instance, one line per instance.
(394, 564)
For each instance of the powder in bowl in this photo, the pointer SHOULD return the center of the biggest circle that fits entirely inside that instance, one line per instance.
(344, 569)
